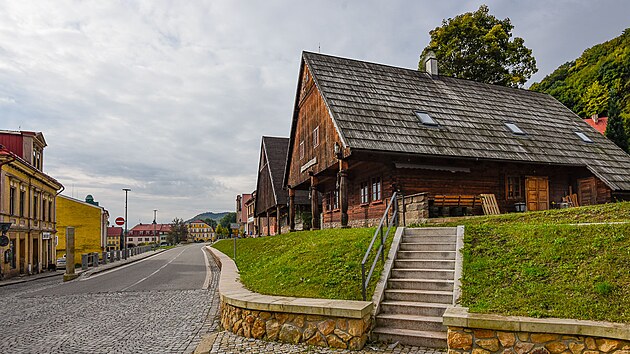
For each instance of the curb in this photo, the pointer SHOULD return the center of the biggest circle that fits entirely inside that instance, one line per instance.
(27, 279)
(88, 273)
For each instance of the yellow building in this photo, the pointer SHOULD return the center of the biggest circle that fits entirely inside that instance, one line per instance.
(199, 231)
(90, 225)
(114, 235)
(27, 201)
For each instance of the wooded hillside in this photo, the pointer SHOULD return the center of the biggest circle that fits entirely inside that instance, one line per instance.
(587, 84)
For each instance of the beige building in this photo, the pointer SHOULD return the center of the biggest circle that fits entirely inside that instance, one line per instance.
(27, 201)
(199, 231)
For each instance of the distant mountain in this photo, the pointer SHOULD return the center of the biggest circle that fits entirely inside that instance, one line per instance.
(209, 215)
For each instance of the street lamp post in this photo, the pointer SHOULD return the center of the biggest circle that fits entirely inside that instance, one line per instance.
(126, 232)
(157, 242)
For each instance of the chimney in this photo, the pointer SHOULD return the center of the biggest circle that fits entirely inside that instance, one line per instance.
(430, 64)
(595, 118)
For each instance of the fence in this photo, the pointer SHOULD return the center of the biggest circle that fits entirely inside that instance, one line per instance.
(95, 259)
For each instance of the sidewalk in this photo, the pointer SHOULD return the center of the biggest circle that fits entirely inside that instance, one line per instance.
(82, 273)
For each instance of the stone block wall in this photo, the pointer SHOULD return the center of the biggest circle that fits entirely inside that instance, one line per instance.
(416, 208)
(487, 341)
(316, 330)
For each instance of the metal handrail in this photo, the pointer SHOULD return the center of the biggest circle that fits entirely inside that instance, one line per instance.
(381, 250)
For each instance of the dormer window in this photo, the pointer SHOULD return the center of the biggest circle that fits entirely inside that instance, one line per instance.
(425, 119)
(583, 136)
(515, 129)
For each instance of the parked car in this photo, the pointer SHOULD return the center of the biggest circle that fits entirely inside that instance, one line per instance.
(61, 262)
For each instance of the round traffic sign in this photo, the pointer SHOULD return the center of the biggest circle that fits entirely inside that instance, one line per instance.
(120, 221)
(4, 241)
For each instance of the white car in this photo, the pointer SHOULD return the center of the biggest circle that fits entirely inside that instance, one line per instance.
(61, 262)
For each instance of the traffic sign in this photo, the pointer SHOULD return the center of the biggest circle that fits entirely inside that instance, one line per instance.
(120, 221)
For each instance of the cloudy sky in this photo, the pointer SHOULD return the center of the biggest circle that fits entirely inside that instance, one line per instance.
(171, 98)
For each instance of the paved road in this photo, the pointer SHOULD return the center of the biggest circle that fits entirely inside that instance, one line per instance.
(157, 305)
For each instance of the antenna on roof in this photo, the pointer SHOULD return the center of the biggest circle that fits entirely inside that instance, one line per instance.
(319, 47)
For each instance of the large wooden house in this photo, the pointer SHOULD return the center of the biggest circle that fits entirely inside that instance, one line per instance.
(271, 200)
(361, 130)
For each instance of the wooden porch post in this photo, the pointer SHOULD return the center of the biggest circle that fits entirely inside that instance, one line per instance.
(343, 192)
(278, 231)
(291, 209)
(314, 204)
(268, 228)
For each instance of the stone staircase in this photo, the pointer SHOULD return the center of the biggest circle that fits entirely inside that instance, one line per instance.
(419, 289)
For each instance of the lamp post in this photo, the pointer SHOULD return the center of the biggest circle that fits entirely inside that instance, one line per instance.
(157, 242)
(126, 232)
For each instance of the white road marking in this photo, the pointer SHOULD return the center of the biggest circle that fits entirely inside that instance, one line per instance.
(119, 268)
(155, 272)
(206, 283)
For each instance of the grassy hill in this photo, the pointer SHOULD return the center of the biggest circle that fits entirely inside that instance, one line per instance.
(568, 263)
(316, 264)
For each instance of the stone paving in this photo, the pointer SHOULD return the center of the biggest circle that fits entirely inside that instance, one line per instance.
(132, 322)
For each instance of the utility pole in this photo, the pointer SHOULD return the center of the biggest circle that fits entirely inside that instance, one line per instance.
(126, 232)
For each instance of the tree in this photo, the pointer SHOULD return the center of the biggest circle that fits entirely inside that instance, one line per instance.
(595, 99)
(615, 130)
(211, 222)
(221, 231)
(477, 46)
(178, 233)
(227, 219)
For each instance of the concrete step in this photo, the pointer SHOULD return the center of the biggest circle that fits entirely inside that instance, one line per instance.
(444, 274)
(420, 284)
(429, 239)
(418, 323)
(435, 296)
(413, 308)
(424, 263)
(432, 231)
(429, 339)
(422, 254)
(434, 246)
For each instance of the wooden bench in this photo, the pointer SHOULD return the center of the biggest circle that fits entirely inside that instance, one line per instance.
(469, 201)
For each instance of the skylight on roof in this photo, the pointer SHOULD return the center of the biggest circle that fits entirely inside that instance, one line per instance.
(515, 129)
(584, 137)
(425, 118)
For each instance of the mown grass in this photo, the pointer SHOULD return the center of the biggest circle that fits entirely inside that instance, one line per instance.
(541, 264)
(315, 264)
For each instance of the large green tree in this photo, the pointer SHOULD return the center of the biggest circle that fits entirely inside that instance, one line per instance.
(478, 46)
(227, 219)
(178, 233)
(615, 130)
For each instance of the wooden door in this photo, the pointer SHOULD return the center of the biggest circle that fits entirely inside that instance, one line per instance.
(587, 191)
(537, 192)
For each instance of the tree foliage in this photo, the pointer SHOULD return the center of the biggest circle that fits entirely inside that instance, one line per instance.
(588, 84)
(227, 219)
(615, 130)
(178, 233)
(211, 222)
(478, 46)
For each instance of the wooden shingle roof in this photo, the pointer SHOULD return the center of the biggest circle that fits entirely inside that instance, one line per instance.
(373, 107)
(275, 151)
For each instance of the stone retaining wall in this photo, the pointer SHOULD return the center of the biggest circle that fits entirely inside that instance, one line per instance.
(492, 334)
(416, 208)
(317, 330)
(318, 322)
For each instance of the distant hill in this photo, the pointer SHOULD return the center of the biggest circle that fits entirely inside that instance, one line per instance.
(209, 215)
(586, 84)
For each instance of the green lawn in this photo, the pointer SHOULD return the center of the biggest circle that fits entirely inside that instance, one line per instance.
(537, 264)
(316, 264)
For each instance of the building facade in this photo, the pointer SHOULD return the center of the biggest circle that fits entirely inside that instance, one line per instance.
(362, 131)
(114, 235)
(90, 225)
(242, 214)
(27, 201)
(148, 233)
(199, 231)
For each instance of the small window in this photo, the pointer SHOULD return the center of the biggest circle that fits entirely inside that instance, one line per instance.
(515, 129)
(376, 189)
(365, 193)
(513, 187)
(301, 150)
(335, 200)
(315, 137)
(425, 118)
(583, 136)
